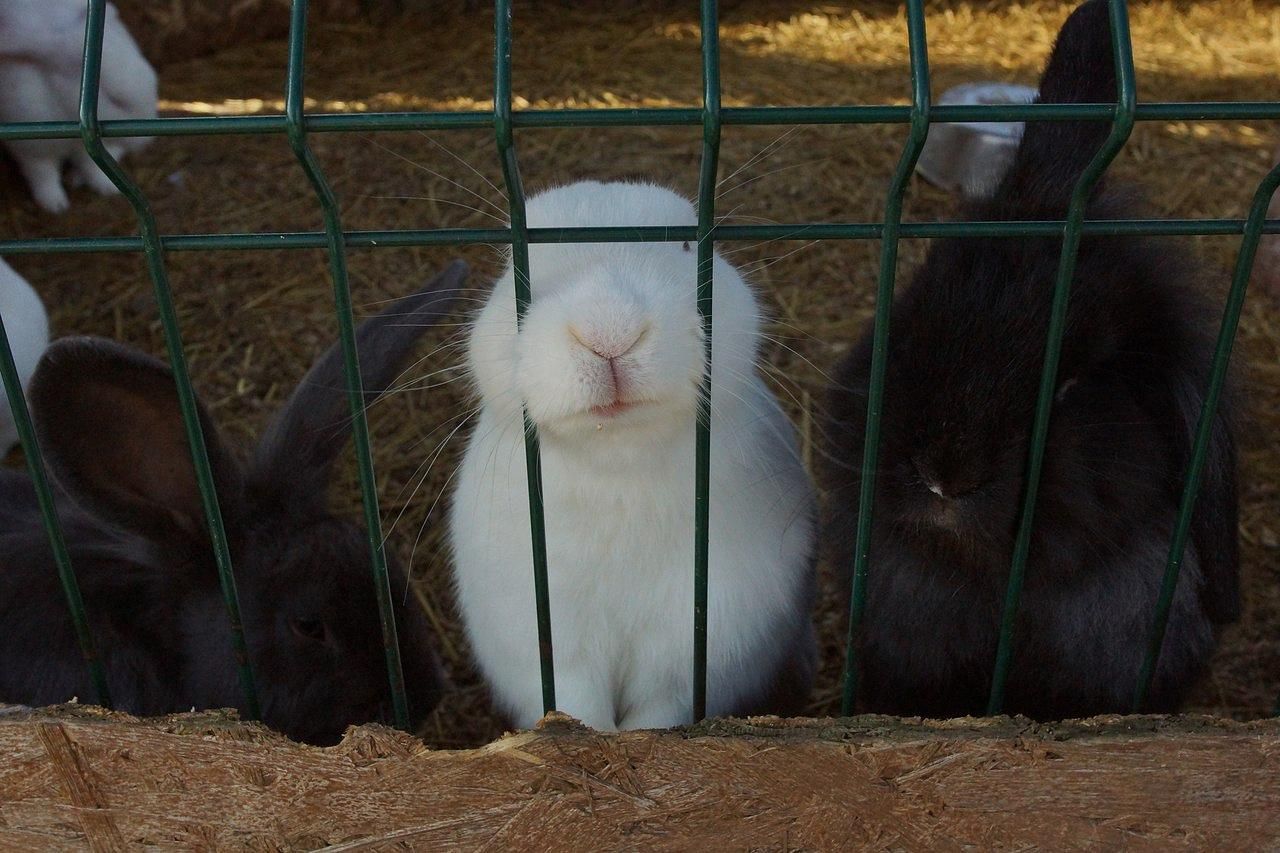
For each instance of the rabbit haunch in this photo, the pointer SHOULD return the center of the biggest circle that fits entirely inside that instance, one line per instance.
(608, 364)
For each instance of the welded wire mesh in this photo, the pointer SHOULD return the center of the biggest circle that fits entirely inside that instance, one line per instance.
(297, 126)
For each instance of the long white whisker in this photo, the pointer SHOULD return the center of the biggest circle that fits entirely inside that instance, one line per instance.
(437, 143)
(786, 134)
(429, 171)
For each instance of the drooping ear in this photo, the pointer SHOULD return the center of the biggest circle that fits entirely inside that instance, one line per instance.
(296, 453)
(1081, 70)
(111, 430)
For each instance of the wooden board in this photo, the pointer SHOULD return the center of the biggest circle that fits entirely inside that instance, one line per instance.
(77, 778)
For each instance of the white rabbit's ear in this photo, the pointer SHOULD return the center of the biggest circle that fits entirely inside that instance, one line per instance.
(111, 430)
(297, 451)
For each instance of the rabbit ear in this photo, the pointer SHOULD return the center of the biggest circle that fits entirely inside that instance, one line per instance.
(1081, 70)
(111, 429)
(297, 451)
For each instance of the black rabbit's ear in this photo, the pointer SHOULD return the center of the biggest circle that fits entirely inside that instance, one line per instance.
(111, 430)
(295, 455)
(1081, 70)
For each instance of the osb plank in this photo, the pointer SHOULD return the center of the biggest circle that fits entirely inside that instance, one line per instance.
(79, 778)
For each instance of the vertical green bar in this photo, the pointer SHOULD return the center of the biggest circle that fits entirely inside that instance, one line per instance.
(920, 104)
(1122, 125)
(1204, 430)
(294, 122)
(706, 262)
(91, 135)
(49, 515)
(505, 135)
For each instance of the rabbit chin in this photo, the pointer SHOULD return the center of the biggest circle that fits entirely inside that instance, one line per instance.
(633, 420)
(952, 526)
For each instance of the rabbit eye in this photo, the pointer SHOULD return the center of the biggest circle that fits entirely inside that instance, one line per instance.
(309, 629)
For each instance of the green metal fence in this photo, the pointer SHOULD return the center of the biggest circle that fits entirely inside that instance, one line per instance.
(296, 125)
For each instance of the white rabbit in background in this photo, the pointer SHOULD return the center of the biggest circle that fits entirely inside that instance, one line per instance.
(27, 326)
(41, 55)
(1266, 268)
(608, 363)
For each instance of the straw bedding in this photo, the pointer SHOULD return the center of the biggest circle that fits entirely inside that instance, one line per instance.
(254, 320)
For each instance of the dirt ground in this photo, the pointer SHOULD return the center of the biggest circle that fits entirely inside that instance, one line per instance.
(253, 320)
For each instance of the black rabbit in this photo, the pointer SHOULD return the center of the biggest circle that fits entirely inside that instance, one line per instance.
(965, 354)
(109, 424)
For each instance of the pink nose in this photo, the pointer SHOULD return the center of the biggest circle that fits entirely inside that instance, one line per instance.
(608, 347)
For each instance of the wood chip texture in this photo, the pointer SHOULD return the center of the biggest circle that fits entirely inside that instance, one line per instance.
(85, 779)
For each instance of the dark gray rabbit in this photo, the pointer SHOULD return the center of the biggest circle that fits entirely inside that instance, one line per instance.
(109, 424)
(966, 350)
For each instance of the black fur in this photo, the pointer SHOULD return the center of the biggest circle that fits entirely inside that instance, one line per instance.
(966, 350)
(109, 424)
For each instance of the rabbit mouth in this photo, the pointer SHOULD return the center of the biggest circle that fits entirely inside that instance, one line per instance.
(945, 516)
(614, 409)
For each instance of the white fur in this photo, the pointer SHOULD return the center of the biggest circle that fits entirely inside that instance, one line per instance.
(40, 66)
(619, 490)
(27, 326)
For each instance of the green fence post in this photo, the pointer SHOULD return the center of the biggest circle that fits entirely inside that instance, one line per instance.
(92, 137)
(1204, 429)
(1122, 125)
(504, 132)
(708, 172)
(49, 517)
(920, 109)
(297, 134)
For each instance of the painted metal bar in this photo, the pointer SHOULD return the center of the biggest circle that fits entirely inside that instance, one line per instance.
(651, 234)
(920, 110)
(1204, 431)
(350, 356)
(505, 137)
(153, 250)
(227, 125)
(708, 172)
(52, 523)
(1122, 126)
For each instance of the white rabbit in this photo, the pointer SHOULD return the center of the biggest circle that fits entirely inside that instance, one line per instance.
(27, 326)
(40, 66)
(1266, 268)
(608, 363)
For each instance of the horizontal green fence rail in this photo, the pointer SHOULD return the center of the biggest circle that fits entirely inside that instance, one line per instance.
(648, 234)
(643, 117)
(711, 118)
